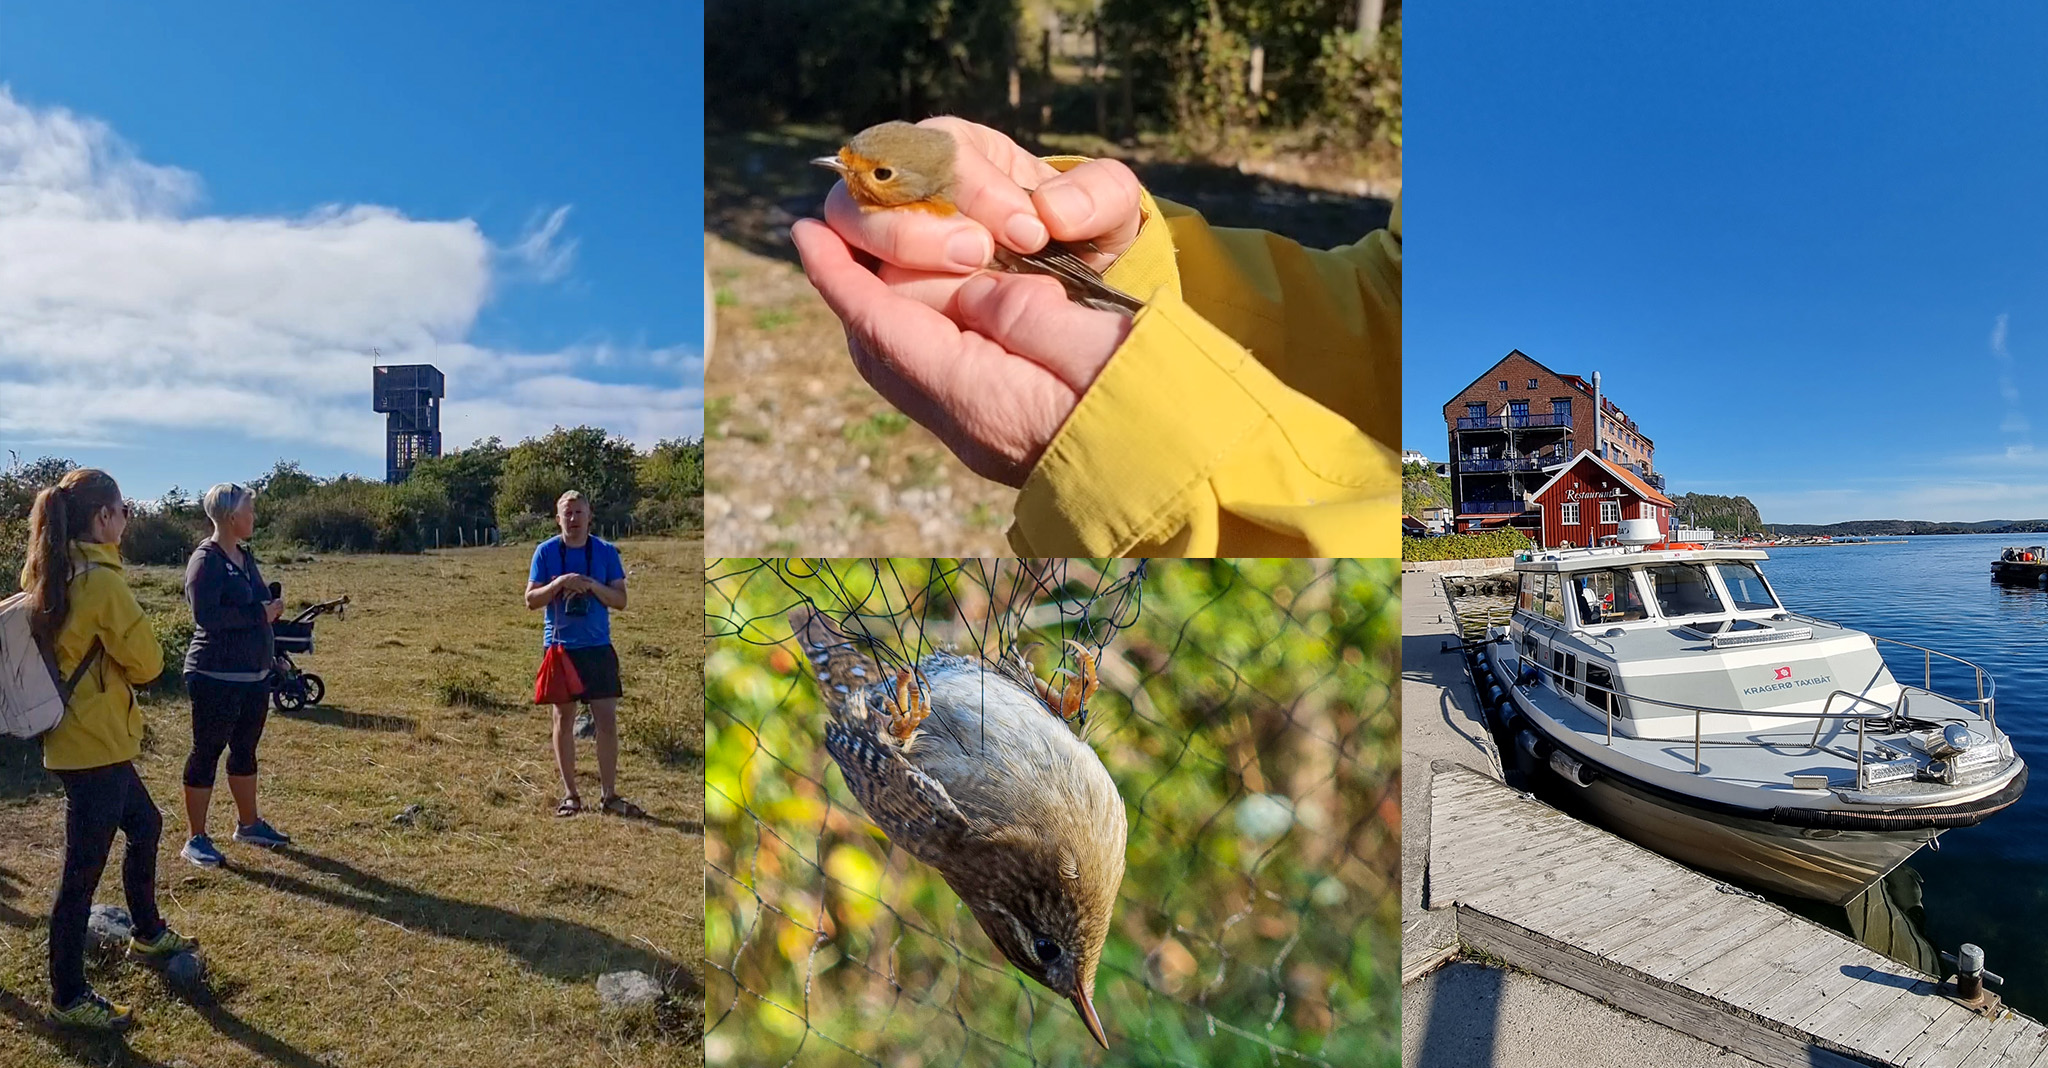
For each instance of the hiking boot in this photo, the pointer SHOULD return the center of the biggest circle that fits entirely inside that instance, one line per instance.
(199, 850)
(261, 833)
(164, 946)
(92, 1012)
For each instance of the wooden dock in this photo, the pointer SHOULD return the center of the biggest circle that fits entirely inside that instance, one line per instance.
(1551, 895)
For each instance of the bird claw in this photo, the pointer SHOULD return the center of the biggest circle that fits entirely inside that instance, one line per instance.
(908, 705)
(1078, 689)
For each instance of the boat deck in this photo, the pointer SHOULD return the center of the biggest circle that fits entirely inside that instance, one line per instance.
(1581, 907)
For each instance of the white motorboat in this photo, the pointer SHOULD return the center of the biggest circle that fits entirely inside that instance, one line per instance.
(1705, 720)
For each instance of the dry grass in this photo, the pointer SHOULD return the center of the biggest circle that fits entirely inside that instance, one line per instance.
(473, 935)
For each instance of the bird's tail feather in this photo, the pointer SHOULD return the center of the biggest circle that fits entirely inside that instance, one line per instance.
(835, 657)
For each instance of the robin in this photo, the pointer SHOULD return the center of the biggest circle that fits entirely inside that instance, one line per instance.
(899, 165)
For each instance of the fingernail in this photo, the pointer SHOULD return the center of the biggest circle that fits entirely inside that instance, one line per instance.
(969, 249)
(1066, 202)
(1025, 232)
(975, 290)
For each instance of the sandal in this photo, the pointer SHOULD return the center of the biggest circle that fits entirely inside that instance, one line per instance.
(619, 806)
(570, 806)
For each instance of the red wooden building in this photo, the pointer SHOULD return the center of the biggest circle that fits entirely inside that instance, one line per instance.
(1588, 498)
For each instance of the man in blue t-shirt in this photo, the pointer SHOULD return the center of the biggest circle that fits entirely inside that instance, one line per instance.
(578, 579)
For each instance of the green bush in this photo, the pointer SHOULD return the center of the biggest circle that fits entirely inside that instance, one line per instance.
(173, 637)
(328, 527)
(164, 538)
(1494, 543)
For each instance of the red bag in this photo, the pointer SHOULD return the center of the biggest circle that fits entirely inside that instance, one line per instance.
(557, 682)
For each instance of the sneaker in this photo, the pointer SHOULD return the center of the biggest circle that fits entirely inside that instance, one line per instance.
(261, 833)
(92, 1012)
(199, 850)
(164, 946)
(586, 727)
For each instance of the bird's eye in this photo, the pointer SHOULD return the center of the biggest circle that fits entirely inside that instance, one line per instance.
(883, 174)
(1047, 950)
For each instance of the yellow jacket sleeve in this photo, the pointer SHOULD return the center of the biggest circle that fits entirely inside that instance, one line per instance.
(1249, 411)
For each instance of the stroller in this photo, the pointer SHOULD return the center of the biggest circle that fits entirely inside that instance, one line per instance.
(291, 688)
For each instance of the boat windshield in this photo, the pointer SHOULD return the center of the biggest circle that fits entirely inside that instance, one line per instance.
(1608, 597)
(1683, 590)
(1745, 587)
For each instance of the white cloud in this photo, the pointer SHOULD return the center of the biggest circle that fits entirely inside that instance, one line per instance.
(542, 248)
(123, 311)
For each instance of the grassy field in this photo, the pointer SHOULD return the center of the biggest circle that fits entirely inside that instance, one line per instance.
(471, 936)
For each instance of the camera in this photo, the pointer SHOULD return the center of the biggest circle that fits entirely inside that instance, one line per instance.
(576, 604)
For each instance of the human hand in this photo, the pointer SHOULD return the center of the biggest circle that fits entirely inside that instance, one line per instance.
(992, 364)
(1003, 193)
(272, 610)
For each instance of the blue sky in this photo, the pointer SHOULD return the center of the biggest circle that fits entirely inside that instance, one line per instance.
(213, 220)
(1806, 245)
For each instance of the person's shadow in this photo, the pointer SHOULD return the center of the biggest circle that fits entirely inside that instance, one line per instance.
(109, 1050)
(559, 949)
(10, 889)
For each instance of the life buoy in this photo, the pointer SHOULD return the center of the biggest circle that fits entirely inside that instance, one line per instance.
(1663, 546)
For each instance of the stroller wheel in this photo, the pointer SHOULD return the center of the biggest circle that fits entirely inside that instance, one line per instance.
(291, 698)
(315, 689)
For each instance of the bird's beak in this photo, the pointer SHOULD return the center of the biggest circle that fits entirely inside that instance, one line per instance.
(830, 163)
(1087, 1010)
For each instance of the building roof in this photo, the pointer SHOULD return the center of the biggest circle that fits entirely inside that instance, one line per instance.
(1628, 478)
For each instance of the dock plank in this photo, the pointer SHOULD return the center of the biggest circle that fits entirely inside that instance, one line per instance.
(1584, 908)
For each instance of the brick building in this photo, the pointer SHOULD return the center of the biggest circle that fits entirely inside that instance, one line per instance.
(1515, 426)
(1587, 499)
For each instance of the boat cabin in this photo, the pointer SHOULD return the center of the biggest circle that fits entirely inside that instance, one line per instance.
(1664, 643)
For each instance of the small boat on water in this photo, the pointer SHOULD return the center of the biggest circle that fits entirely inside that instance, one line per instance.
(1705, 720)
(2023, 566)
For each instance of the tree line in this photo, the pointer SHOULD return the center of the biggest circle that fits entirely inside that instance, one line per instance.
(488, 491)
(1208, 71)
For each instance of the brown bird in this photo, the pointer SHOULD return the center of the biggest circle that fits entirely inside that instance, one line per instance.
(971, 767)
(900, 165)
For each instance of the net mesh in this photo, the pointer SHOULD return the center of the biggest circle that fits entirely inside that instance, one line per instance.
(1248, 716)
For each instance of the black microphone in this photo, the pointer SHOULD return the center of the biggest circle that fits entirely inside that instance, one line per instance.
(276, 591)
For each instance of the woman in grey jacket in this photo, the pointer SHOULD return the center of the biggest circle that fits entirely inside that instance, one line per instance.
(227, 671)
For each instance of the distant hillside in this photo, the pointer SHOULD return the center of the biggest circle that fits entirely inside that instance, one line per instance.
(1896, 527)
(1422, 487)
(1727, 516)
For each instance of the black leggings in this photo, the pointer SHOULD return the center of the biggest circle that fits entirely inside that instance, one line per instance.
(225, 715)
(99, 802)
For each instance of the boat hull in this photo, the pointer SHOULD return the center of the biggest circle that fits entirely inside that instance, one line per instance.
(1823, 864)
(2019, 573)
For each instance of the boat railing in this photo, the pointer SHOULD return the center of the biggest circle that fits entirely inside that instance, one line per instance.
(1986, 701)
(1700, 712)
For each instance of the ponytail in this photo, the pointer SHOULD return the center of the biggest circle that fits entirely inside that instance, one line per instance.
(61, 515)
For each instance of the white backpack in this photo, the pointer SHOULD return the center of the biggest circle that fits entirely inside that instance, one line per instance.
(32, 694)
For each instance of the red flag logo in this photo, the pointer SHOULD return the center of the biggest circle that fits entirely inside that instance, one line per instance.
(1784, 673)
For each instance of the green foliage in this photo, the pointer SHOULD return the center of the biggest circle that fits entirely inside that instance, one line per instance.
(285, 481)
(1504, 541)
(1178, 65)
(1422, 488)
(467, 480)
(1727, 516)
(162, 537)
(1247, 716)
(173, 635)
(538, 471)
(671, 478)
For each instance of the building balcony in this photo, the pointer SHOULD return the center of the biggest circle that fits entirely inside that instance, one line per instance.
(1561, 420)
(1505, 463)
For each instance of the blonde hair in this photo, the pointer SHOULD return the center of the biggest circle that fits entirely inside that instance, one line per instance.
(563, 501)
(62, 514)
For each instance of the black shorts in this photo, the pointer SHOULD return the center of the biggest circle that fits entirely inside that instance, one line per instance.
(598, 667)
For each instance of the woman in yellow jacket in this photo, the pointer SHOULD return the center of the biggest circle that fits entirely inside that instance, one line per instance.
(88, 618)
(1248, 409)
